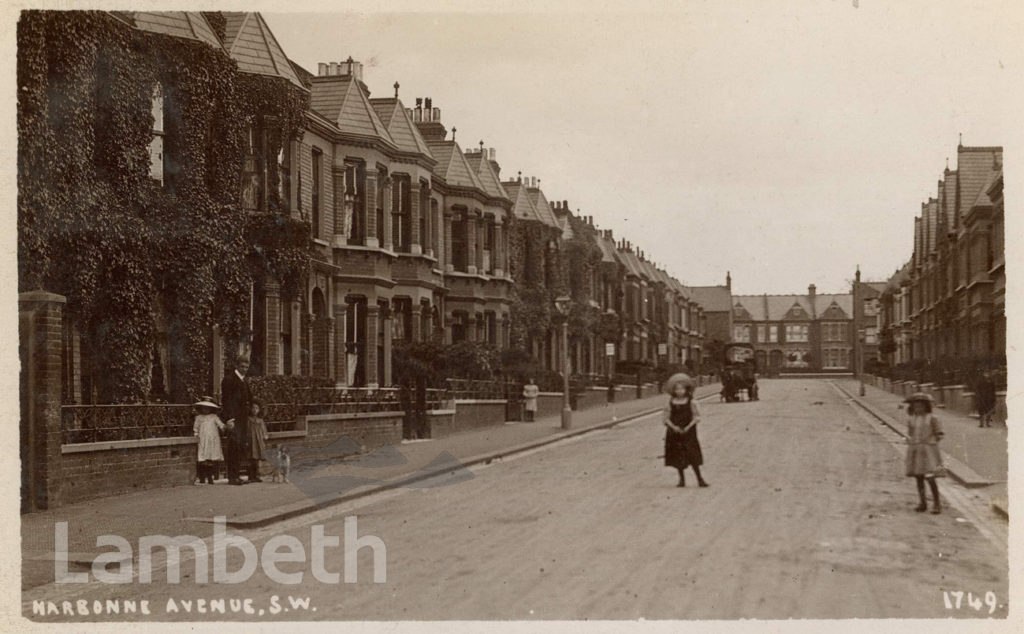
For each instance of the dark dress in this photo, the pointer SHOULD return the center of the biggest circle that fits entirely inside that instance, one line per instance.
(682, 450)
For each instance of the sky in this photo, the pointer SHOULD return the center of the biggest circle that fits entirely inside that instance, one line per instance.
(785, 142)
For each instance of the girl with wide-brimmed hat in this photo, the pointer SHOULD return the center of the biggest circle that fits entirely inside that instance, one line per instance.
(682, 449)
(207, 428)
(924, 461)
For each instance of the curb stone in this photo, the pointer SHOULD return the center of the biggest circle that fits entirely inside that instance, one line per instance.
(956, 469)
(263, 518)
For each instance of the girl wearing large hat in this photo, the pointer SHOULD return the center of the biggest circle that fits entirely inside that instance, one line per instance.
(682, 449)
(924, 461)
(207, 428)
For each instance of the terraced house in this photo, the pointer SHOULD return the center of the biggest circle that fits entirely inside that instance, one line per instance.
(366, 223)
(188, 195)
(947, 304)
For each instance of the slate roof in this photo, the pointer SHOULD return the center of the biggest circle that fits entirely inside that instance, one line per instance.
(630, 261)
(190, 25)
(677, 286)
(652, 273)
(948, 197)
(775, 307)
(252, 45)
(522, 207)
(714, 299)
(452, 165)
(607, 248)
(484, 171)
(983, 200)
(975, 165)
(342, 101)
(543, 207)
(398, 124)
(843, 300)
(930, 214)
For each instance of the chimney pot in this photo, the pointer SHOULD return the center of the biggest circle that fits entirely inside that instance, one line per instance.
(321, 69)
(332, 68)
(437, 114)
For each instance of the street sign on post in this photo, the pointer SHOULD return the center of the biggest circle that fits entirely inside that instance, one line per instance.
(662, 349)
(609, 349)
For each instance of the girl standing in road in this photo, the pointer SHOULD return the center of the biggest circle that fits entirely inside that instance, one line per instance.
(682, 449)
(923, 457)
(207, 428)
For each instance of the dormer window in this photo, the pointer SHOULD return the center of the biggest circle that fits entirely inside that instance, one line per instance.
(156, 144)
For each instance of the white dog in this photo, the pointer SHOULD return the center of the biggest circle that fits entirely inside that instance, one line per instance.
(282, 464)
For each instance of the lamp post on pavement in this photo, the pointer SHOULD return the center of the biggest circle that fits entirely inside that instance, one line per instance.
(860, 359)
(562, 305)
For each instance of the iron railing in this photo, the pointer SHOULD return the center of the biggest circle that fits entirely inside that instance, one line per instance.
(482, 389)
(100, 423)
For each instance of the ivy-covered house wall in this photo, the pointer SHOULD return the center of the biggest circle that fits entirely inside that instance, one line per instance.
(151, 245)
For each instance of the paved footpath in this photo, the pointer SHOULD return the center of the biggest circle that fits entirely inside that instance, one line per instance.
(189, 509)
(983, 450)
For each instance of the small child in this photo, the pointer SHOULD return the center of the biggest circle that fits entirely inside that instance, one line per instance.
(682, 449)
(923, 458)
(207, 428)
(258, 439)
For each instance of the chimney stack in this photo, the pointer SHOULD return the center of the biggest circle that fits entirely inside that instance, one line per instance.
(429, 123)
(492, 158)
(321, 69)
(811, 290)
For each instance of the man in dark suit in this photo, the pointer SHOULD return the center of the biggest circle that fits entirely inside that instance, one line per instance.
(236, 400)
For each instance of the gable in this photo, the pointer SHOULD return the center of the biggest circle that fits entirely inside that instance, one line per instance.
(834, 311)
(739, 312)
(796, 312)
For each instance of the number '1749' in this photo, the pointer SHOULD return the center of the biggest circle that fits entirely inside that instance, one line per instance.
(958, 600)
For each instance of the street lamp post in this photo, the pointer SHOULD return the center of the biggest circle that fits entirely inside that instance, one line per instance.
(860, 359)
(562, 305)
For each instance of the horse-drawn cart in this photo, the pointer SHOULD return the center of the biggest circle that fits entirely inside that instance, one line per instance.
(739, 372)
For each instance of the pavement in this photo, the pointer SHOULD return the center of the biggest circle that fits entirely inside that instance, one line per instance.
(808, 516)
(189, 510)
(974, 456)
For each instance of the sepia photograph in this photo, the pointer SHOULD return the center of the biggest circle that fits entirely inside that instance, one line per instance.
(614, 315)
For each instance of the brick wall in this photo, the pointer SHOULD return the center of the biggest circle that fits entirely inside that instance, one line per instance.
(89, 475)
(90, 471)
(368, 430)
(474, 414)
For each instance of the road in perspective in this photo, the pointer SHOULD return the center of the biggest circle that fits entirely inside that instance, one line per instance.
(808, 515)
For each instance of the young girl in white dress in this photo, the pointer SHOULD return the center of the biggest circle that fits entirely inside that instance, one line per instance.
(207, 428)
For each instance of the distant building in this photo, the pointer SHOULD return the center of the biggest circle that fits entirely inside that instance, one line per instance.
(797, 333)
(717, 304)
(867, 314)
